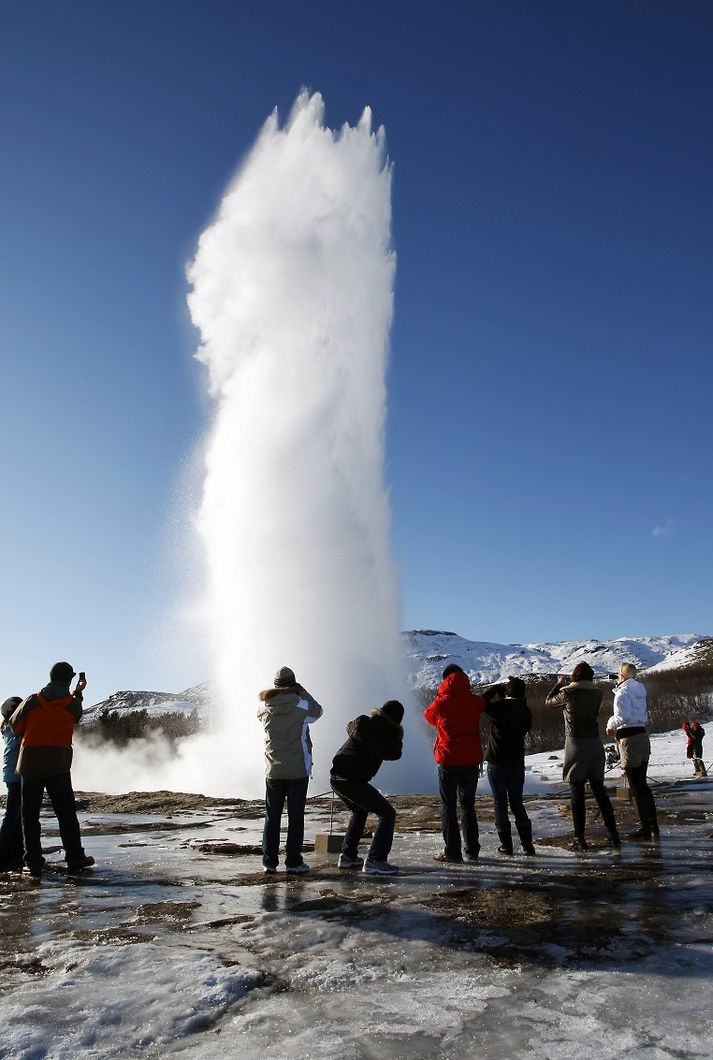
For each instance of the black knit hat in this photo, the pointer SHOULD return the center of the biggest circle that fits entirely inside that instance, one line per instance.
(452, 668)
(10, 706)
(516, 688)
(393, 709)
(62, 671)
(285, 677)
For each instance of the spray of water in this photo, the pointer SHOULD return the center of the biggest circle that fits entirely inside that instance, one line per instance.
(292, 292)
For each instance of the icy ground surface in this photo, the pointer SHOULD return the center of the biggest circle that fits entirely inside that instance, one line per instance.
(177, 944)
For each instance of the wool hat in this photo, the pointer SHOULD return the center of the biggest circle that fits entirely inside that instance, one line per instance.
(62, 671)
(284, 677)
(393, 709)
(453, 668)
(10, 706)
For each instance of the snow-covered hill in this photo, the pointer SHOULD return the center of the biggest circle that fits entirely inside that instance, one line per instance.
(196, 698)
(429, 651)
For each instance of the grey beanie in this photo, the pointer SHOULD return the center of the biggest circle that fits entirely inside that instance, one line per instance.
(284, 677)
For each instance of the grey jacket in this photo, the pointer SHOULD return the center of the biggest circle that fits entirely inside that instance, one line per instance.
(580, 702)
(286, 714)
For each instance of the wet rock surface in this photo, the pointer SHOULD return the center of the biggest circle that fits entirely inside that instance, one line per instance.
(499, 942)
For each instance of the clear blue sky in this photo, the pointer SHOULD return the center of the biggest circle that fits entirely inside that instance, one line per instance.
(550, 383)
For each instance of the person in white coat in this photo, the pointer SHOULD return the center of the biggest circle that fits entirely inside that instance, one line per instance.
(629, 724)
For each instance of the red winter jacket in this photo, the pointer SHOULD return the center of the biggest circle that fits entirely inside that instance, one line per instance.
(456, 714)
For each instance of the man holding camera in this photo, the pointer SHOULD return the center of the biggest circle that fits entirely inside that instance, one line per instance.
(45, 722)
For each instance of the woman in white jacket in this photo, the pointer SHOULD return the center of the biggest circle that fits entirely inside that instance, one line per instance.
(629, 724)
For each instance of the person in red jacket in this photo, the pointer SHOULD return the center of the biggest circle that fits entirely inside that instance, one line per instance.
(455, 712)
(45, 722)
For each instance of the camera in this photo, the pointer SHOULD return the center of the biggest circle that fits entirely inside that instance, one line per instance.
(82, 675)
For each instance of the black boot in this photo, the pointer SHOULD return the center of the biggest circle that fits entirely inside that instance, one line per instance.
(505, 843)
(525, 833)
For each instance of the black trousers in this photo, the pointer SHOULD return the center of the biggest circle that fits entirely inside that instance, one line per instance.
(579, 811)
(61, 796)
(642, 796)
(11, 828)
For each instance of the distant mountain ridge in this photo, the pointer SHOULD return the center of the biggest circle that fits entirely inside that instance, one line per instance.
(429, 651)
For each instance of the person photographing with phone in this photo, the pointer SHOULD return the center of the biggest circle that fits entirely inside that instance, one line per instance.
(45, 723)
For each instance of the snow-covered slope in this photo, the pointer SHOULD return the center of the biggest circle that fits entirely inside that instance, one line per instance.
(429, 651)
(196, 698)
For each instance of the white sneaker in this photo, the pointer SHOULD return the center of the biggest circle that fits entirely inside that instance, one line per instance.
(345, 862)
(379, 868)
(297, 870)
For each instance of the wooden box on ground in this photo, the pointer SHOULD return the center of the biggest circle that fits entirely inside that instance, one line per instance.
(328, 843)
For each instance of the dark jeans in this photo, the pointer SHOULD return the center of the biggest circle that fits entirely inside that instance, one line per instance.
(11, 828)
(642, 796)
(457, 784)
(362, 799)
(276, 791)
(61, 796)
(579, 812)
(506, 783)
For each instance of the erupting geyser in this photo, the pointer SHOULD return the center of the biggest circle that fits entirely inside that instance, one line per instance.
(292, 291)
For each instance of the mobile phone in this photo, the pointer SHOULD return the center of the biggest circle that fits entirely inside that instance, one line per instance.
(82, 675)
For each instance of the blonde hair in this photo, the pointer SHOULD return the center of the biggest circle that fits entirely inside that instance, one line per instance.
(627, 670)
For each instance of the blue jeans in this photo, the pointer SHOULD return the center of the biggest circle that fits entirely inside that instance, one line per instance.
(276, 791)
(11, 828)
(457, 784)
(506, 783)
(362, 799)
(61, 795)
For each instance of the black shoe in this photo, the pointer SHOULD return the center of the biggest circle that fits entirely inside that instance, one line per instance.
(85, 862)
(35, 870)
(613, 840)
(578, 843)
(505, 850)
(529, 849)
(641, 834)
(442, 856)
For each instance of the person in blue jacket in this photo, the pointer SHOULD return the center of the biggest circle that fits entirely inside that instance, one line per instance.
(11, 827)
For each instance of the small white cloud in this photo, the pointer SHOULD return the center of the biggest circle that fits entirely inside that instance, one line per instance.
(664, 529)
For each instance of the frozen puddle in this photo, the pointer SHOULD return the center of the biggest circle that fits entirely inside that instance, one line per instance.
(178, 944)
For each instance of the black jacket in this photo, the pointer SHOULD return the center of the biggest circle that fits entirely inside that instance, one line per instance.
(371, 740)
(510, 721)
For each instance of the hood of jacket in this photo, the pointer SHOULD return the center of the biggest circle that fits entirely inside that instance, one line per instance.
(456, 684)
(56, 690)
(280, 700)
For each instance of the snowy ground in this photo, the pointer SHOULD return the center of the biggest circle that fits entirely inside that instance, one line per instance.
(178, 945)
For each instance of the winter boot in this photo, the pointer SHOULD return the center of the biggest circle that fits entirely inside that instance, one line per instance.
(525, 833)
(578, 843)
(613, 838)
(505, 843)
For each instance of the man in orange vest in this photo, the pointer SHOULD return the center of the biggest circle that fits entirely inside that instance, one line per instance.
(45, 721)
